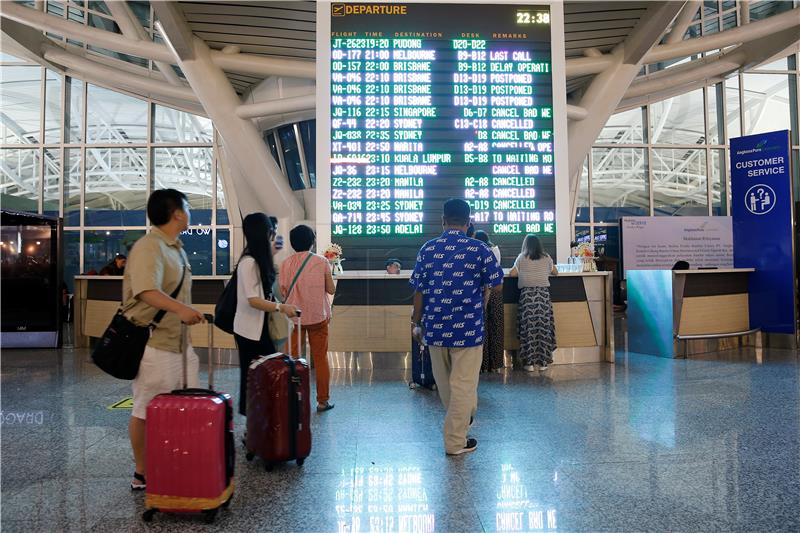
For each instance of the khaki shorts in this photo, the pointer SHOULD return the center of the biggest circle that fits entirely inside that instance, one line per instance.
(161, 371)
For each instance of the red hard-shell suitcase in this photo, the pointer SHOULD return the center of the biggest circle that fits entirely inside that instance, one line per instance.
(278, 409)
(190, 449)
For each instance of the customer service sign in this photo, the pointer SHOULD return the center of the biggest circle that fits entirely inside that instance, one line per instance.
(761, 208)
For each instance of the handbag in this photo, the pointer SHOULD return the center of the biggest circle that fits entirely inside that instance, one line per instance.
(225, 310)
(120, 350)
(278, 326)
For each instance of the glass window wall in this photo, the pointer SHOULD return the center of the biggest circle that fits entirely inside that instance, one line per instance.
(20, 94)
(96, 164)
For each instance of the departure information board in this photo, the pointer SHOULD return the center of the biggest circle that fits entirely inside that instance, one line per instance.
(436, 101)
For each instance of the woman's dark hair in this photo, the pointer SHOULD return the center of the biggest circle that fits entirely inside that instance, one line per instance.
(483, 237)
(302, 238)
(532, 247)
(162, 203)
(681, 265)
(258, 232)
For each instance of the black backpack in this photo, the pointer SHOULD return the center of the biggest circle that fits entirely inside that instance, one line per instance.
(225, 310)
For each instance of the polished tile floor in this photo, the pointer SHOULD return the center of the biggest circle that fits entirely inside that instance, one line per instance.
(647, 444)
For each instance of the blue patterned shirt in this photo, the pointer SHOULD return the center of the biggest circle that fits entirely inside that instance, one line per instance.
(451, 272)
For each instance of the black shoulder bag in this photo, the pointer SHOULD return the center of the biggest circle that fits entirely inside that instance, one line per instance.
(121, 348)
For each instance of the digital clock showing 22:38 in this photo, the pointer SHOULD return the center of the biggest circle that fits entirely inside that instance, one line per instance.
(533, 17)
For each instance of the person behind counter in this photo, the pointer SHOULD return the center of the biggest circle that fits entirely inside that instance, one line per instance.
(536, 328)
(493, 332)
(393, 266)
(116, 267)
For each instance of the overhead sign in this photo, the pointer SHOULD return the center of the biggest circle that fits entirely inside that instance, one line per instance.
(657, 243)
(761, 206)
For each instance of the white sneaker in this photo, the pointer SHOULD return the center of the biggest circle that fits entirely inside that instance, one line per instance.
(529, 368)
(542, 368)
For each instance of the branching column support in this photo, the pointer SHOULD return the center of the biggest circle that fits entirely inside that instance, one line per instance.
(261, 186)
(607, 89)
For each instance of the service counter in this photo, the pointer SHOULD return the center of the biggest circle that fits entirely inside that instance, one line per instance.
(372, 312)
(675, 313)
(97, 298)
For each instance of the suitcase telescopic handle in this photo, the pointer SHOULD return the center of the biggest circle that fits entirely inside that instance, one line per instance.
(210, 321)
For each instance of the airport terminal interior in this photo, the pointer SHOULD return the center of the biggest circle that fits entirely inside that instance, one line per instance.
(653, 147)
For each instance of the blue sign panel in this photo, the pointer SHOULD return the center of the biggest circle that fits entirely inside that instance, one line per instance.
(761, 207)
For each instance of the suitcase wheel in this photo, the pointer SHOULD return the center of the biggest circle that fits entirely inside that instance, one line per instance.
(227, 502)
(300, 461)
(148, 515)
(209, 516)
(249, 456)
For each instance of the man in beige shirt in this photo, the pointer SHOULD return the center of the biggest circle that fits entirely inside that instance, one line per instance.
(156, 265)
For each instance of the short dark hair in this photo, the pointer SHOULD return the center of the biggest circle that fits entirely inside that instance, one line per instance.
(162, 203)
(302, 238)
(456, 212)
(393, 260)
(120, 256)
(483, 236)
(681, 265)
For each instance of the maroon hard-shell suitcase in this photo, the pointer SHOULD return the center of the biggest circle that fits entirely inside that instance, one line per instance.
(278, 409)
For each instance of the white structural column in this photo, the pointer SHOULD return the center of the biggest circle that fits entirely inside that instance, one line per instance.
(260, 185)
(607, 89)
(132, 28)
(683, 21)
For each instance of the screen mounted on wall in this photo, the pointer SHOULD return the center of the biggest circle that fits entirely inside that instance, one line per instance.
(433, 101)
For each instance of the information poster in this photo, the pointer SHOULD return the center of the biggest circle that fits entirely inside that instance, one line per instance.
(763, 232)
(433, 101)
(657, 243)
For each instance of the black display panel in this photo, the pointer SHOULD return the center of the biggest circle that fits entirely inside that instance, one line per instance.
(30, 277)
(433, 101)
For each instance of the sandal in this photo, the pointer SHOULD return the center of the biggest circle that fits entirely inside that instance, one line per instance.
(322, 407)
(138, 486)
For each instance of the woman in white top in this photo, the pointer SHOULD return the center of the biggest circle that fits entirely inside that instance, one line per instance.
(493, 360)
(254, 272)
(536, 329)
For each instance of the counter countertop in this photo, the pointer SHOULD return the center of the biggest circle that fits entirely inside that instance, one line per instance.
(406, 274)
(714, 271)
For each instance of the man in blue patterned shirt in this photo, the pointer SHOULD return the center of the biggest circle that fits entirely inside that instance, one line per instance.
(453, 278)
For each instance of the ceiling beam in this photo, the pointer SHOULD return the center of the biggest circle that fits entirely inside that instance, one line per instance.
(174, 29)
(116, 77)
(133, 29)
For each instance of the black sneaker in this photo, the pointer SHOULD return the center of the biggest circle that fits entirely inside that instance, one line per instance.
(470, 447)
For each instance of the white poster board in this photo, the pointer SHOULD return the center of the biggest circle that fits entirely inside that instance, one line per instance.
(656, 243)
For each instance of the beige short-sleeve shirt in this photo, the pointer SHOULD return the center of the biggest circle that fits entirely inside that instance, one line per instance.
(156, 262)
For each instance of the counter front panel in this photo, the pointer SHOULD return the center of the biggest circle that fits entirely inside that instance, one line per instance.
(97, 298)
(372, 314)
